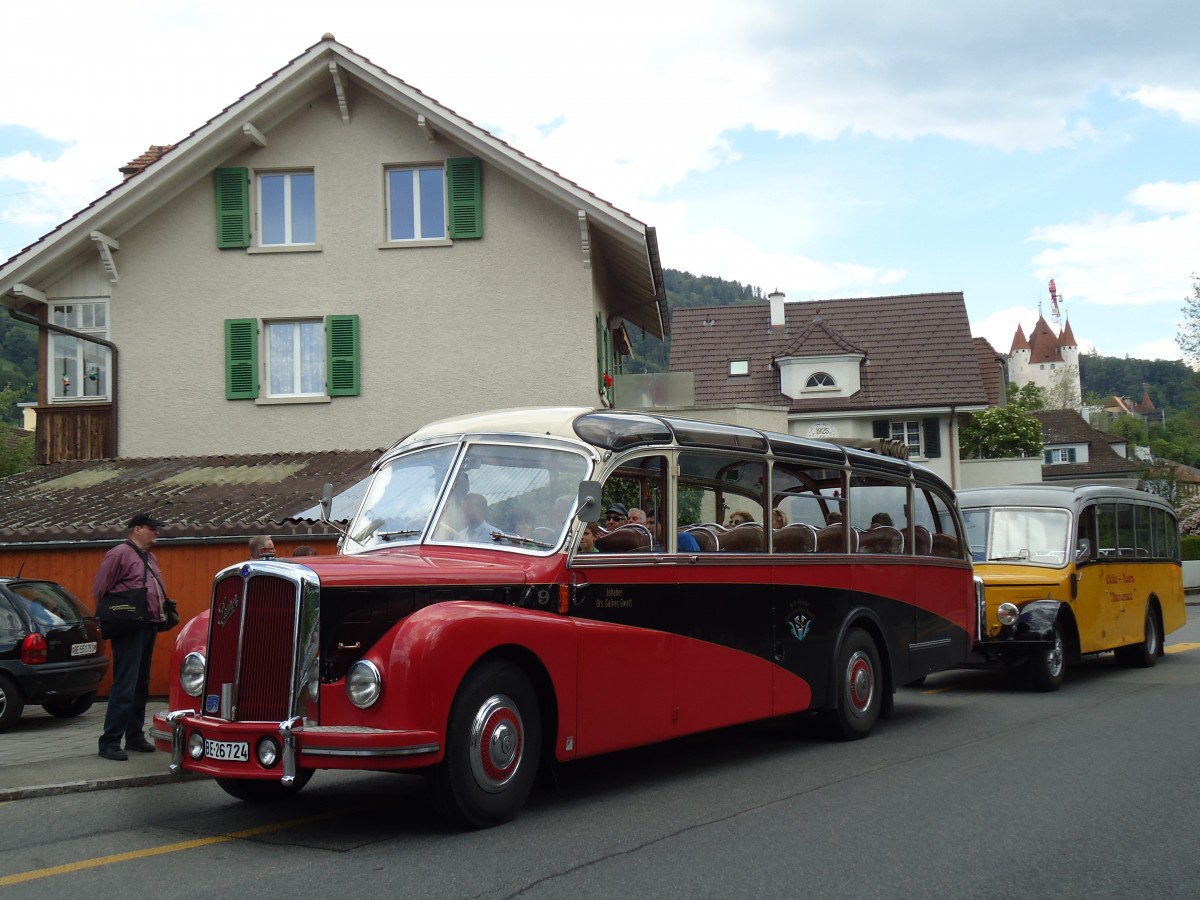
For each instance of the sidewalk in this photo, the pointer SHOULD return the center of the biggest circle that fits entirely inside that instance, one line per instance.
(41, 755)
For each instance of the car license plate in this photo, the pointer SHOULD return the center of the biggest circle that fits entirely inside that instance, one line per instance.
(237, 751)
(87, 649)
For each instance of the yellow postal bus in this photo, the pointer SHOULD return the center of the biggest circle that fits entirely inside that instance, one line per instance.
(1070, 570)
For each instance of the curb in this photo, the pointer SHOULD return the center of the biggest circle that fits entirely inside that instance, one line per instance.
(93, 784)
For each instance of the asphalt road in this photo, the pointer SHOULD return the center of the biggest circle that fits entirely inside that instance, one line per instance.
(975, 788)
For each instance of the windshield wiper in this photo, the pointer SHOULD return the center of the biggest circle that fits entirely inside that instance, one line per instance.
(388, 535)
(517, 539)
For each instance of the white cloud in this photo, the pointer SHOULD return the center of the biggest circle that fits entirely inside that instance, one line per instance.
(1000, 326)
(1183, 103)
(1161, 349)
(1167, 197)
(1114, 260)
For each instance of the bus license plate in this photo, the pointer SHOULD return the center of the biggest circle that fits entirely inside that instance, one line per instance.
(83, 649)
(237, 751)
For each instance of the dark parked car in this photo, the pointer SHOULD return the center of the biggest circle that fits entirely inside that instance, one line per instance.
(51, 652)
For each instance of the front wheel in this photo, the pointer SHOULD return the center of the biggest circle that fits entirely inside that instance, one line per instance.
(860, 691)
(1048, 668)
(493, 746)
(11, 703)
(1145, 654)
(69, 709)
(255, 791)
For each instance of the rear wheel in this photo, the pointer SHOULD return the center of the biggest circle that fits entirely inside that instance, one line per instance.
(69, 709)
(493, 746)
(273, 791)
(860, 690)
(1048, 667)
(1145, 654)
(11, 703)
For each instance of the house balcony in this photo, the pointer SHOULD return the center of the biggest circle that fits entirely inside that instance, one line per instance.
(74, 432)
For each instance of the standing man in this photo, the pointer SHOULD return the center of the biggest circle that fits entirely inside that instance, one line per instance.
(127, 566)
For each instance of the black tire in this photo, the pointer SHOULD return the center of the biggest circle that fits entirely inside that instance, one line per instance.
(69, 709)
(1145, 654)
(493, 748)
(273, 791)
(12, 704)
(1048, 668)
(859, 687)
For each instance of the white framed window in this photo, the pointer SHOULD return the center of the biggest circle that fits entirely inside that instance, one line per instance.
(820, 380)
(739, 367)
(1060, 456)
(296, 358)
(79, 369)
(416, 203)
(910, 434)
(287, 208)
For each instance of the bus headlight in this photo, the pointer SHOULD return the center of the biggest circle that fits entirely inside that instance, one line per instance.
(363, 683)
(1007, 614)
(191, 674)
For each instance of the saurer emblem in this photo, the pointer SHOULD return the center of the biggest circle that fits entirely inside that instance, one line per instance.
(227, 609)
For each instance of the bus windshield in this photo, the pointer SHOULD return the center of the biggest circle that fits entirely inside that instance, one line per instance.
(1019, 534)
(496, 494)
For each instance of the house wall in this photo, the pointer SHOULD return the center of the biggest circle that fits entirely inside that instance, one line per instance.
(507, 320)
(834, 425)
(975, 473)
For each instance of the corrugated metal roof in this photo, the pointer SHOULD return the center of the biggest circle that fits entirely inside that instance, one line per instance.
(195, 496)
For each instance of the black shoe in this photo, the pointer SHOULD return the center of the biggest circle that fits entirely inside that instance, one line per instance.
(142, 746)
(114, 753)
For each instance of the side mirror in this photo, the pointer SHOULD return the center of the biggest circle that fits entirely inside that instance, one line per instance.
(327, 502)
(587, 507)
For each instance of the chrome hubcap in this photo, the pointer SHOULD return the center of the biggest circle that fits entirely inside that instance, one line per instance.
(497, 743)
(1054, 656)
(860, 681)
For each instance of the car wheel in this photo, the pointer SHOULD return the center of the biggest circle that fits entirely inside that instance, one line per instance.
(257, 791)
(1145, 654)
(69, 709)
(11, 703)
(860, 691)
(493, 747)
(1048, 668)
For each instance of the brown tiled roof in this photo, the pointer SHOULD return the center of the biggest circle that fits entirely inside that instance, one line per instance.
(1043, 343)
(918, 348)
(205, 496)
(991, 370)
(154, 154)
(10, 437)
(1019, 341)
(1066, 426)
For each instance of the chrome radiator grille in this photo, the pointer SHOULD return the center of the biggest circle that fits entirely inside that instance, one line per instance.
(252, 646)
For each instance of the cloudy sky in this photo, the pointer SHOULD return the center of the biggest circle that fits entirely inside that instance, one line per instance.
(823, 149)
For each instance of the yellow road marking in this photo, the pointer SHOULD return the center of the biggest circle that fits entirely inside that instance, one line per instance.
(66, 868)
(1181, 648)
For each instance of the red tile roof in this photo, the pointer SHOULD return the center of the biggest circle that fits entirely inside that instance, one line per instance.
(991, 370)
(200, 497)
(918, 348)
(1066, 426)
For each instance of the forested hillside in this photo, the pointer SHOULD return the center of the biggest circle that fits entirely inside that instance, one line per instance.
(18, 366)
(1172, 385)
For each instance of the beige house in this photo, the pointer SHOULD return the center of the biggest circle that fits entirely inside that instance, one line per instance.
(329, 262)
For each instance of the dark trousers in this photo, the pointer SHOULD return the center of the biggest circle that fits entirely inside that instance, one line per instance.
(126, 715)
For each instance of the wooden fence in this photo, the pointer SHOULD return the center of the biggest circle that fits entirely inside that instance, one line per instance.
(188, 569)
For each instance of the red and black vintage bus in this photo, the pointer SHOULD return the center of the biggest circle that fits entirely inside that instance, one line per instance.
(470, 630)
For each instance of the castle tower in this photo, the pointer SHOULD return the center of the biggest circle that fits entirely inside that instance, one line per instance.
(1049, 360)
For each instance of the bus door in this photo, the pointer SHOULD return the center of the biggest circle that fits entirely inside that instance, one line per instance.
(724, 659)
(624, 611)
(1090, 603)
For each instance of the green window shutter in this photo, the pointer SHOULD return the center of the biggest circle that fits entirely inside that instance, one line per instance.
(466, 197)
(233, 207)
(342, 350)
(241, 359)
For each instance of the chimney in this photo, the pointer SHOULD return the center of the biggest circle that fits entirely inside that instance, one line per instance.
(777, 318)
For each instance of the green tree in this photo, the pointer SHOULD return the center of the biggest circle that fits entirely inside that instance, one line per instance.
(1189, 333)
(1000, 431)
(1027, 397)
(16, 453)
